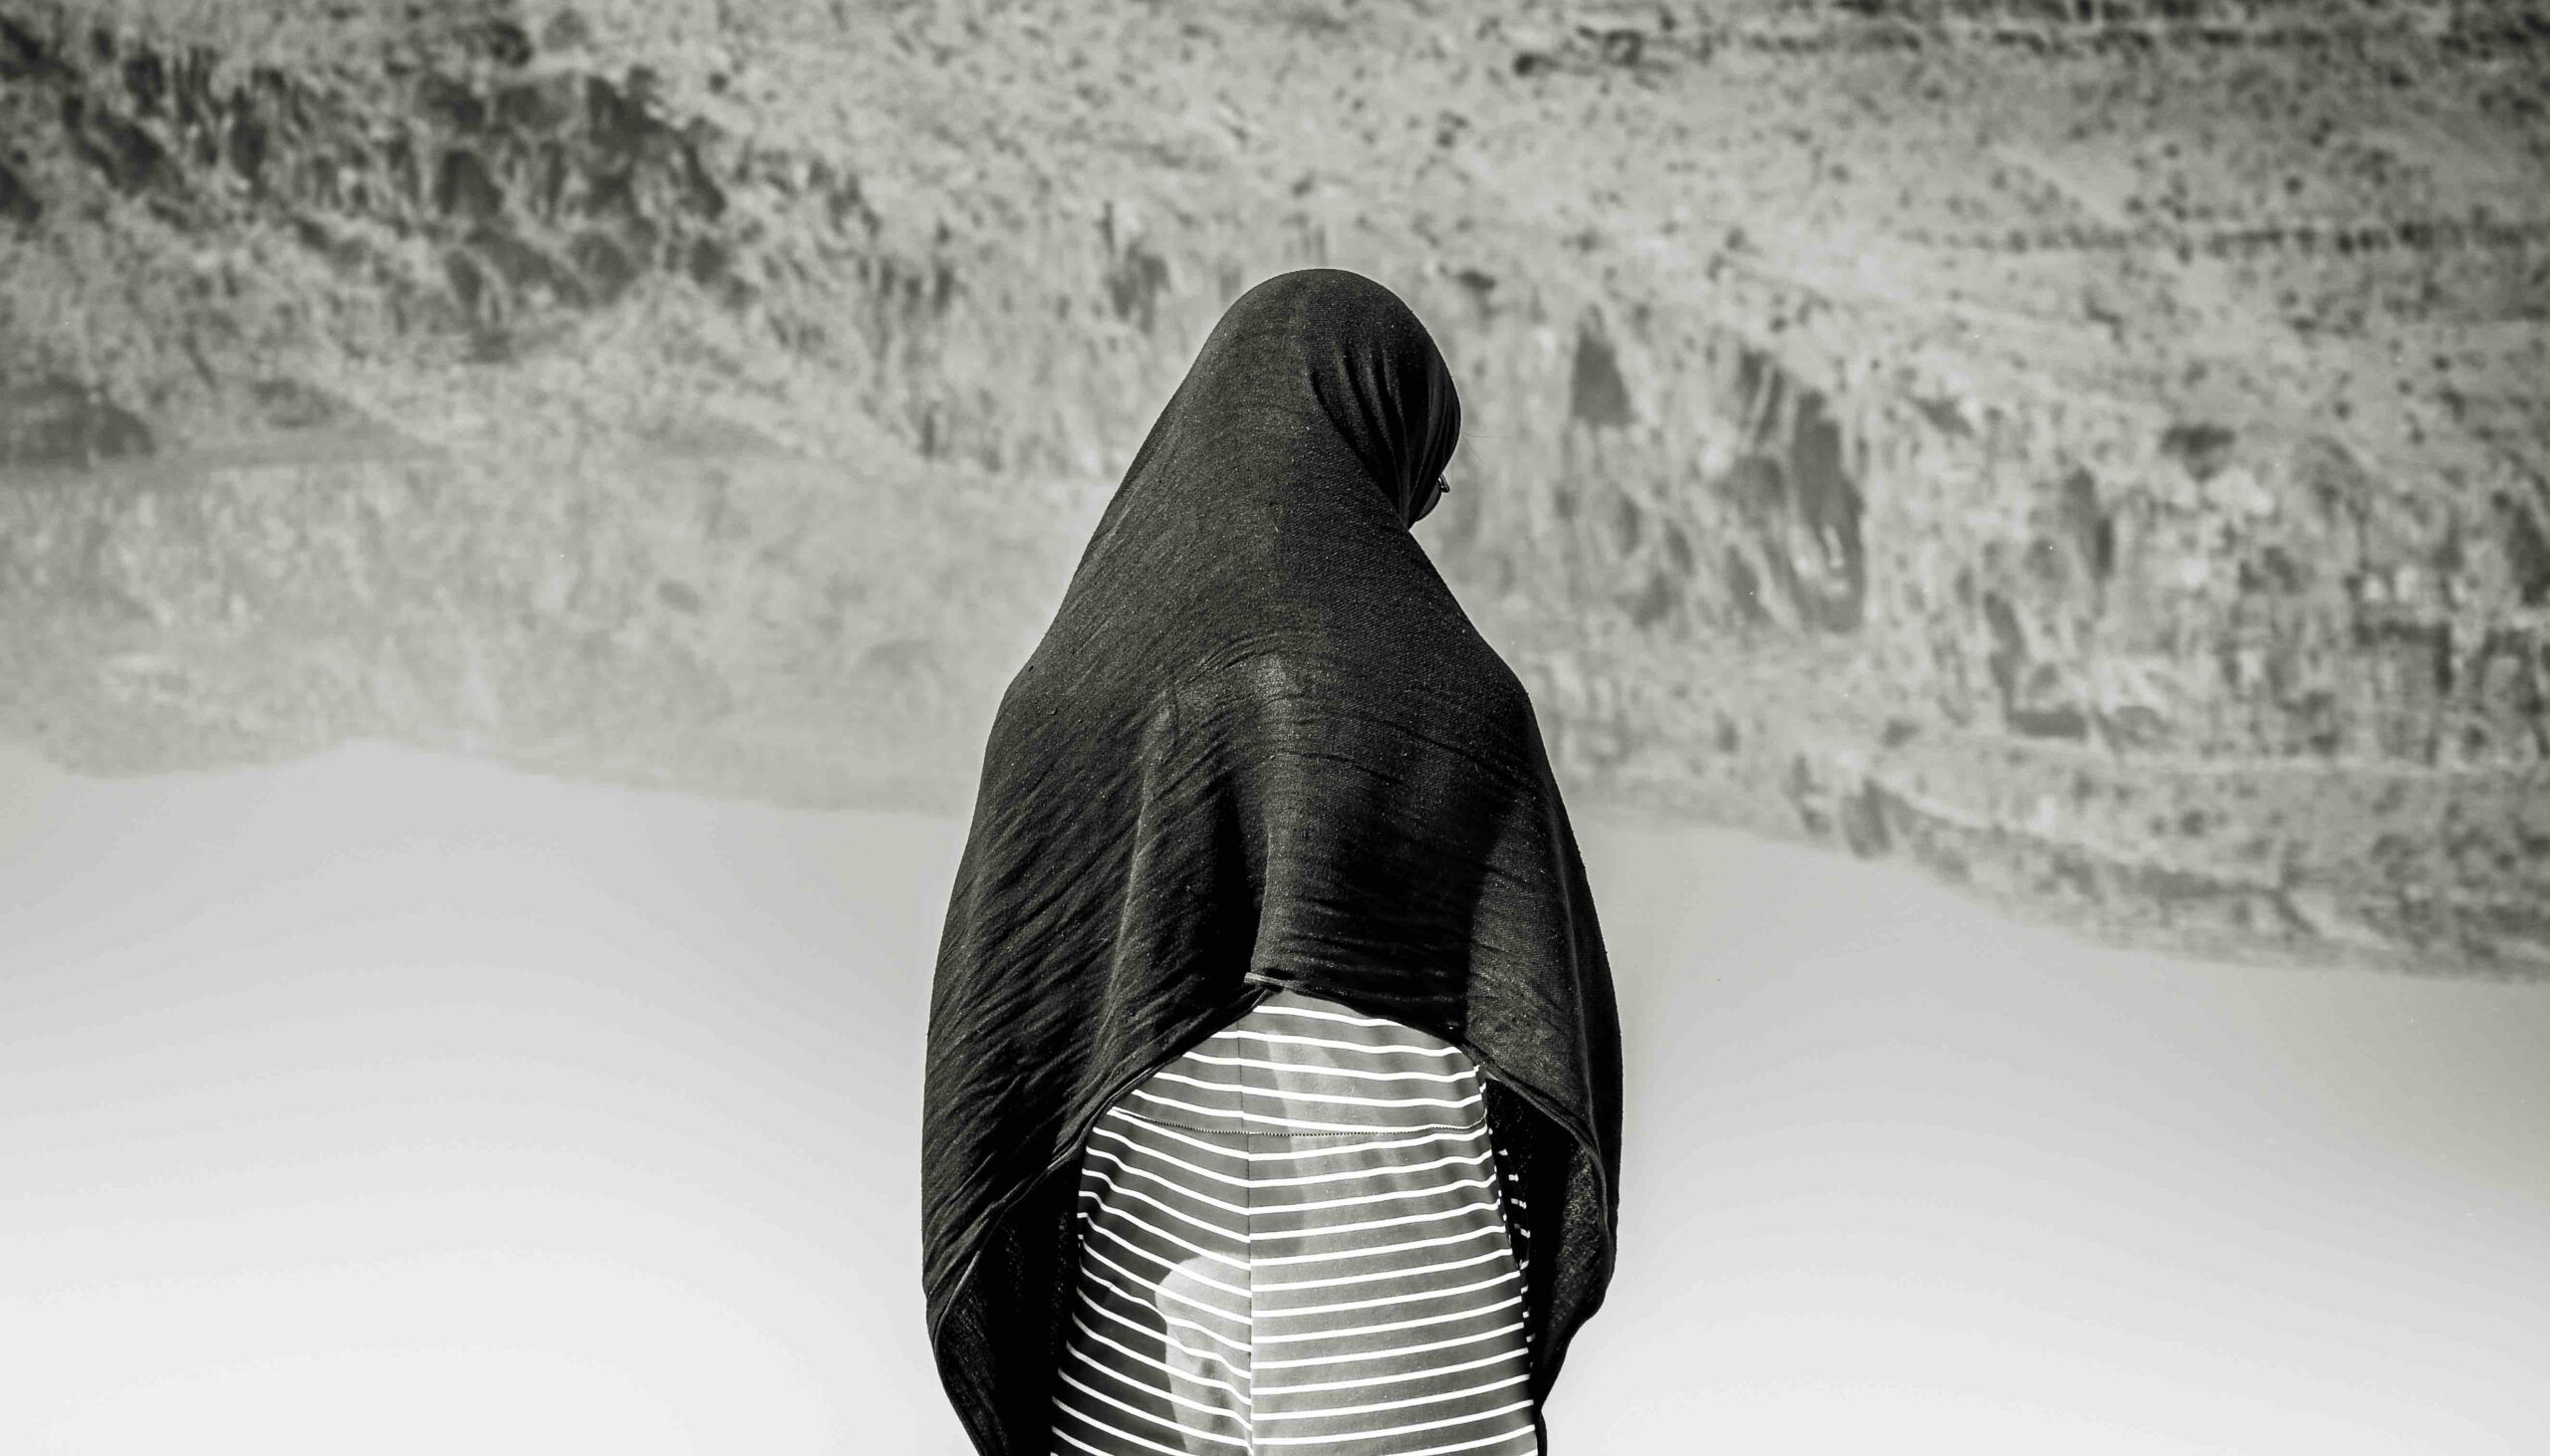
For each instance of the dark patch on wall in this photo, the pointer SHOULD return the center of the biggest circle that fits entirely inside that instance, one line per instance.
(1744, 590)
(2202, 449)
(501, 41)
(60, 423)
(1135, 285)
(1835, 576)
(291, 405)
(2274, 569)
(2526, 547)
(1678, 555)
(1943, 415)
(607, 266)
(2089, 531)
(18, 201)
(1623, 521)
(1792, 492)
(450, 102)
(462, 187)
(145, 79)
(2409, 666)
(1798, 786)
(1758, 489)
(1596, 396)
(123, 154)
(2010, 649)
(24, 57)
(1653, 600)
(1862, 817)
(708, 261)
(527, 271)
(2060, 720)
(2507, 675)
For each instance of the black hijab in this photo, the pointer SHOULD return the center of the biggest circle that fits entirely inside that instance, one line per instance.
(1260, 746)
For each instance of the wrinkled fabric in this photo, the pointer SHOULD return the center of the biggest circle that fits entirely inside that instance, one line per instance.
(1259, 747)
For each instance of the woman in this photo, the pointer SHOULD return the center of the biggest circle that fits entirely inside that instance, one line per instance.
(1261, 772)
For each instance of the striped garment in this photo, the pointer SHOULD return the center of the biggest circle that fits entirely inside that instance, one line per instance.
(1294, 1239)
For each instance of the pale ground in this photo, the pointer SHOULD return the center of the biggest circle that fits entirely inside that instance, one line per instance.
(390, 1105)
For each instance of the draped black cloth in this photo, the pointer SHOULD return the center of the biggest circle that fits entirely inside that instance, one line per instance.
(1259, 746)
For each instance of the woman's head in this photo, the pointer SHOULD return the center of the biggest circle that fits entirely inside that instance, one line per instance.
(1306, 438)
(1331, 353)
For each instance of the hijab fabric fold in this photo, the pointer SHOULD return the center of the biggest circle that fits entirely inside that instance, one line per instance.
(1259, 747)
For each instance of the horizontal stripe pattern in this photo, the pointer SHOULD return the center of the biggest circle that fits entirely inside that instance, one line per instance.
(1295, 1238)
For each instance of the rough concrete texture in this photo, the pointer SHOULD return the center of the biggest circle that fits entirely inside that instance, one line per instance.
(2092, 448)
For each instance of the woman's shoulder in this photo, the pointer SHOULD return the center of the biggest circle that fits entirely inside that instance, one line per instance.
(1467, 677)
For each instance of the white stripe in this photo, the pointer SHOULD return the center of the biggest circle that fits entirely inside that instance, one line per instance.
(1253, 1237)
(1077, 1413)
(1406, 1429)
(1183, 1431)
(1377, 1223)
(1268, 1119)
(1263, 1009)
(1252, 1180)
(1449, 1134)
(1277, 1039)
(1171, 1396)
(1263, 1210)
(1165, 1294)
(1170, 1183)
(1408, 1299)
(1174, 1238)
(1288, 1094)
(1363, 1329)
(1316, 1070)
(1111, 1430)
(1263, 1285)
(1521, 1430)
(1381, 1355)
(1488, 1359)
(1402, 1404)
(1431, 1425)
(1477, 1233)
(1171, 1320)
(1159, 1365)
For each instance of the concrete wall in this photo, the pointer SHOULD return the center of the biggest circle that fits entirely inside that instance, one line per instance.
(2091, 449)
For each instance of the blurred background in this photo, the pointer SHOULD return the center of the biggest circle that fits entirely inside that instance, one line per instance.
(2026, 522)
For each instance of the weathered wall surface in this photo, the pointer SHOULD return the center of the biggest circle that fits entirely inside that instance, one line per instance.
(2095, 450)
